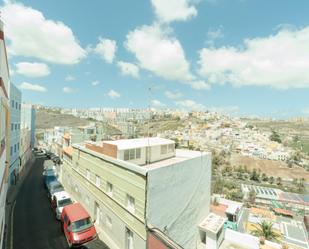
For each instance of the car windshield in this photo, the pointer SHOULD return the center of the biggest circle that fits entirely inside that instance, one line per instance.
(81, 225)
(51, 178)
(50, 172)
(58, 189)
(64, 202)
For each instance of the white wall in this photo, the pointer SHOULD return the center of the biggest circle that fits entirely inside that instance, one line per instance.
(178, 199)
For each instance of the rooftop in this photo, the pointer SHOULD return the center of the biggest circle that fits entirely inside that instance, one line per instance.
(124, 144)
(76, 212)
(212, 223)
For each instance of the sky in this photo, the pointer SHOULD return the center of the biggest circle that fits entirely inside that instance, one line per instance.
(241, 57)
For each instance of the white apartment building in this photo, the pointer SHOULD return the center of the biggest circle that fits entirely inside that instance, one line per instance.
(130, 185)
(15, 115)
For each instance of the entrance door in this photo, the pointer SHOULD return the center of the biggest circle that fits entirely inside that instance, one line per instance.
(97, 213)
(129, 239)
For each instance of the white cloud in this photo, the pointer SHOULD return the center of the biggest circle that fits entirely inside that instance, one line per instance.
(280, 61)
(213, 35)
(189, 104)
(157, 51)
(69, 78)
(32, 87)
(157, 103)
(31, 35)
(173, 95)
(95, 82)
(128, 69)
(67, 89)
(113, 94)
(174, 10)
(106, 48)
(32, 69)
(199, 85)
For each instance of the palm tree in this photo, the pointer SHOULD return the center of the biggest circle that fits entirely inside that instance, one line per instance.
(265, 229)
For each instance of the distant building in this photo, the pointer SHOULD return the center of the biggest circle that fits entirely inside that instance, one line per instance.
(128, 185)
(15, 115)
(27, 133)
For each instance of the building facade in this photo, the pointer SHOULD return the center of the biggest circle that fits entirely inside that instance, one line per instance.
(27, 133)
(15, 112)
(4, 128)
(124, 183)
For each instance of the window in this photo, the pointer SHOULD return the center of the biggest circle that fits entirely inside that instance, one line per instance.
(97, 181)
(171, 148)
(11, 152)
(16, 105)
(88, 174)
(109, 189)
(15, 145)
(109, 223)
(138, 153)
(130, 203)
(163, 149)
(126, 155)
(12, 126)
(15, 126)
(132, 154)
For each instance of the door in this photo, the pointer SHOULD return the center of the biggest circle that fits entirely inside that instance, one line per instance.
(129, 239)
(97, 214)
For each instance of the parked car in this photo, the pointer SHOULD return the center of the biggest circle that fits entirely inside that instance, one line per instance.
(54, 187)
(77, 225)
(56, 160)
(49, 168)
(94, 244)
(48, 154)
(48, 177)
(60, 200)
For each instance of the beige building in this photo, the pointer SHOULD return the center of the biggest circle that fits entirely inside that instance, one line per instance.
(130, 185)
(4, 129)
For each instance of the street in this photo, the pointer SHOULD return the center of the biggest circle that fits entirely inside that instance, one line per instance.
(35, 225)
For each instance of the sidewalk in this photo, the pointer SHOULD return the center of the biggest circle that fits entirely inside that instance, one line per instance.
(10, 200)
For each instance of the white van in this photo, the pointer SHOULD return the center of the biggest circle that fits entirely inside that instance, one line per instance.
(59, 201)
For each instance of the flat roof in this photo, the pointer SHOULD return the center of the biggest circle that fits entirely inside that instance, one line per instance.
(212, 223)
(76, 212)
(124, 144)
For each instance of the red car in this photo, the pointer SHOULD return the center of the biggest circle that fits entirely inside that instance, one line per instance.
(77, 225)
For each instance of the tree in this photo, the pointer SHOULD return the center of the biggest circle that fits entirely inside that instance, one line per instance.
(279, 180)
(275, 137)
(254, 176)
(264, 177)
(271, 180)
(265, 229)
(217, 186)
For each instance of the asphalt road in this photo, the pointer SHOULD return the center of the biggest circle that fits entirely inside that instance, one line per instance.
(35, 225)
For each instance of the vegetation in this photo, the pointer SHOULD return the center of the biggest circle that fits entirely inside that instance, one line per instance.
(265, 229)
(275, 137)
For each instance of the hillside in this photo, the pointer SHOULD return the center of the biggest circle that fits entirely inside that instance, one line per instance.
(47, 119)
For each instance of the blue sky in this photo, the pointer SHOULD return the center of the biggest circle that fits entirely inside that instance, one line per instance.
(243, 57)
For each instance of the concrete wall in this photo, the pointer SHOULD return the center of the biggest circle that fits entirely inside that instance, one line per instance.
(178, 199)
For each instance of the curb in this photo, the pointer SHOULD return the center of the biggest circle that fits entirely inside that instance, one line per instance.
(10, 202)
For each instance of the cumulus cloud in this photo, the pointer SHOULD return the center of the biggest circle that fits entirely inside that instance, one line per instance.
(189, 104)
(157, 51)
(113, 94)
(95, 82)
(33, 70)
(214, 34)
(128, 69)
(279, 61)
(67, 89)
(69, 78)
(174, 10)
(32, 87)
(173, 95)
(30, 34)
(157, 103)
(198, 85)
(106, 48)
